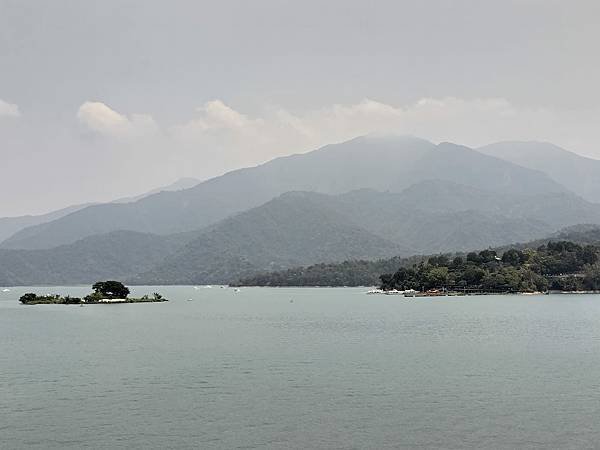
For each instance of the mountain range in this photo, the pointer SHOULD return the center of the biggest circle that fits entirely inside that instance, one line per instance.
(368, 198)
(379, 163)
(12, 225)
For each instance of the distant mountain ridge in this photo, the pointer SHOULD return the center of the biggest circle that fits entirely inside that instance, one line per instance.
(12, 225)
(178, 185)
(367, 162)
(579, 174)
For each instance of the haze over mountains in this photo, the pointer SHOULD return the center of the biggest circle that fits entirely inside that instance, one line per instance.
(368, 198)
(380, 163)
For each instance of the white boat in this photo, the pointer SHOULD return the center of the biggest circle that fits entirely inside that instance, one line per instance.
(375, 291)
(394, 292)
(406, 292)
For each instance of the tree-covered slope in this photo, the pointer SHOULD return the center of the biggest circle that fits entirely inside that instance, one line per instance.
(111, 256)
(305, 228)
(367, 273)
(302, 228)
(440, 216)
(293, 229)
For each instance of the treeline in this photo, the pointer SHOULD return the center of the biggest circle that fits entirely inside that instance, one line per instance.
(561, 266)
(346, 273)
(552, 264)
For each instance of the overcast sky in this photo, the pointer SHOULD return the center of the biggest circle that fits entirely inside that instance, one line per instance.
(101, 99)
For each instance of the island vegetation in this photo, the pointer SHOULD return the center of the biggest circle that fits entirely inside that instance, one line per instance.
(103, 292)
(562, 266)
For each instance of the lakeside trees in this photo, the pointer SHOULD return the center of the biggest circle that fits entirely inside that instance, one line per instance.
(562, 265)
(568, 263)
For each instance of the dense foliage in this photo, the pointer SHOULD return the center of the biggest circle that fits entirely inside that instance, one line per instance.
(34, 299)
(562, 266)
(111, 289)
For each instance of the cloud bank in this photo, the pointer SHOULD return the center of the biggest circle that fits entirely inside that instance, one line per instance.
(9, 109)
(224, 138)
(101, 119)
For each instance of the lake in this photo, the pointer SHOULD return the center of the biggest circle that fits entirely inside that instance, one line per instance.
(300, 368)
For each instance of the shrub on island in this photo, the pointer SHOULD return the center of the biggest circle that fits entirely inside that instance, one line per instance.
(33, 299)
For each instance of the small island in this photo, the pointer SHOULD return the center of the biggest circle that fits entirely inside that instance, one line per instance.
(105, 292)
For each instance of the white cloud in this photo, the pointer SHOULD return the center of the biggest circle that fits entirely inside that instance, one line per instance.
(101, 119)
(9, 109)
(216, 117)
(220, 138)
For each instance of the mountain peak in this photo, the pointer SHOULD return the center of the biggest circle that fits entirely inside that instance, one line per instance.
(393, 138)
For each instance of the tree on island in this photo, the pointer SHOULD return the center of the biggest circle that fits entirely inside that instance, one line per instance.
(29, 297)
(111, 289)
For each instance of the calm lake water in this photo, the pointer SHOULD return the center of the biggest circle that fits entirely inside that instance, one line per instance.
(300, 368)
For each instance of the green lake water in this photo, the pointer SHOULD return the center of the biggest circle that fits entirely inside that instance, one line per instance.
(300, 368)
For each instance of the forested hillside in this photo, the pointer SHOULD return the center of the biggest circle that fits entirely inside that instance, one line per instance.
(367, 273)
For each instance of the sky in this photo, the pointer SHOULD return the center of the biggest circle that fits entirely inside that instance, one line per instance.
(105, 99)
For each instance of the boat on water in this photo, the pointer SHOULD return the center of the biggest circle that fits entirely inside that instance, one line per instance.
(408, 292)
(375, 291)
(431, 293)
(415, 293)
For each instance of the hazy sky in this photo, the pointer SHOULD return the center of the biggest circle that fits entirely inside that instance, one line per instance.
(101, 99)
